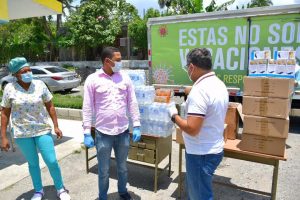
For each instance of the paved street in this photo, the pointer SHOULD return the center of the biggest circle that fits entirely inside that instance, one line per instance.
(16, 184)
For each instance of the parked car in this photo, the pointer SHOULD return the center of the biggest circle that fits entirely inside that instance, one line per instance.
(56, 78)
(3, 71)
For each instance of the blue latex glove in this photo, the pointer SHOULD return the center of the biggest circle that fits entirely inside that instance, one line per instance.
(136, 135)
(88, 141)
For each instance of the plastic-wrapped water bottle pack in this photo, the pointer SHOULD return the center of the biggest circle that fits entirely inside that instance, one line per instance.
(155, 119)
(145, 94)
(154, 116)
(138, 77)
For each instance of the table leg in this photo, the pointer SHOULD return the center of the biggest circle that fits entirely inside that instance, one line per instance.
(275, 179)
(170, 160)
(180, 172)
(156, 167)
(87, 159)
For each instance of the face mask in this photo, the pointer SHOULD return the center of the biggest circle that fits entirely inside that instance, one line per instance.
(190, 74)
(27, 77)
(117, 67)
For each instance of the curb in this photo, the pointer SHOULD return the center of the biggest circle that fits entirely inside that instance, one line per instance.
(69, 113)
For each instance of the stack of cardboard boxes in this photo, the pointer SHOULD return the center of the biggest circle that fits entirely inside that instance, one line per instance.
(266, 106)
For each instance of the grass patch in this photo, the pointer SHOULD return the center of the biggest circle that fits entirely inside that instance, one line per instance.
(67, 101)
(63, 101)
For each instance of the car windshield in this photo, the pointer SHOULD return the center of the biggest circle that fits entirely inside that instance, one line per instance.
(56, 69)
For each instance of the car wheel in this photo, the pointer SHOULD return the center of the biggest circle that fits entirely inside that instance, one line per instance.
(4, 85)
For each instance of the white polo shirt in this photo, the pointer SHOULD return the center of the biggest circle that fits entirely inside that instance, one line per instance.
(208, 99)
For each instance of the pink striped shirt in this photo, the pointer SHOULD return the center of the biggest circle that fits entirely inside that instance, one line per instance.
(108, 98)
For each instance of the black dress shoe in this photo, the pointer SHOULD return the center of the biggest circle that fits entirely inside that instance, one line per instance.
(126, 196)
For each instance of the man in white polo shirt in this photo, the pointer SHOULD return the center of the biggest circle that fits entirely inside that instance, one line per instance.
(206, 108)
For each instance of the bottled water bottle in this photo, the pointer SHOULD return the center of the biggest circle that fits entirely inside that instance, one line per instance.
(151, 94)
(142, 77)
(150, 127)
(143, 93)
(142, 111)
(183, 110)
(146, 111)
(145, 126)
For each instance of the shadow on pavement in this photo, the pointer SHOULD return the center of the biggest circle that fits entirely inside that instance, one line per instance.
(139, 176)
(16, 158)
(50, 194)
(115, 196)
(223, 189)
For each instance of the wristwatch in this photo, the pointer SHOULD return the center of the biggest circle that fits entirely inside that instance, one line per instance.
(173, 118)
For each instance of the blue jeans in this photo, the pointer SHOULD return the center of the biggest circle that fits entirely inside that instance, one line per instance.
(104, 145)
(45, 145)
(199, 172)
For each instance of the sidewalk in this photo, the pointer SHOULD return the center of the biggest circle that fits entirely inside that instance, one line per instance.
(83, 186)
(13, 166)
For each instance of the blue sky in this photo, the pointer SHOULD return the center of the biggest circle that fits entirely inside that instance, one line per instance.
(145, 4)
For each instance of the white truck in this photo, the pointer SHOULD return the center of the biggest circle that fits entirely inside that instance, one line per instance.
(231, 36)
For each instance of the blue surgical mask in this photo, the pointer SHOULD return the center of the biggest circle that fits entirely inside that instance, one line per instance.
(117, 67)
(27, 77)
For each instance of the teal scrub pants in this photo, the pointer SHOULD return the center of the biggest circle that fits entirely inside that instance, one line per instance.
(45, 145)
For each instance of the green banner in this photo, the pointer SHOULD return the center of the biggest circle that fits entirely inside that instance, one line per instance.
(227, 40)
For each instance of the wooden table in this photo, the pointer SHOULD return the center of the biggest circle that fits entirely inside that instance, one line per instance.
(231, 150)
(162, 146)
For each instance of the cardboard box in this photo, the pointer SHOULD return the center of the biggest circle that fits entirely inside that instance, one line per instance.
(281, 67)
(141, 144)
(179, 137)
(263, 144)
(225, 133)
(149, 160)
(232, 121)
(257, 55)
(240, 111)
(133, 153)
(134, 144)
(267, 107)
(290, 67)
(150, 144)
(272, 66)
(265, 126)
(149, 153)
(140, 157)
(253, 67)
(268, 87)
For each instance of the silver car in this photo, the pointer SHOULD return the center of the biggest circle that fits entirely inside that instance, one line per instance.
(56, 78)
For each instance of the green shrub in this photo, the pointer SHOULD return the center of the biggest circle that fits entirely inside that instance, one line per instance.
(63, 101)
(67, 101)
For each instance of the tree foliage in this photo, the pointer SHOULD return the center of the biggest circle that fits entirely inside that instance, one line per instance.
(256, 3)
(25, 37)
(137, 29)
(214, 7)
(260, 3)
(176, 7)
(97, 23)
